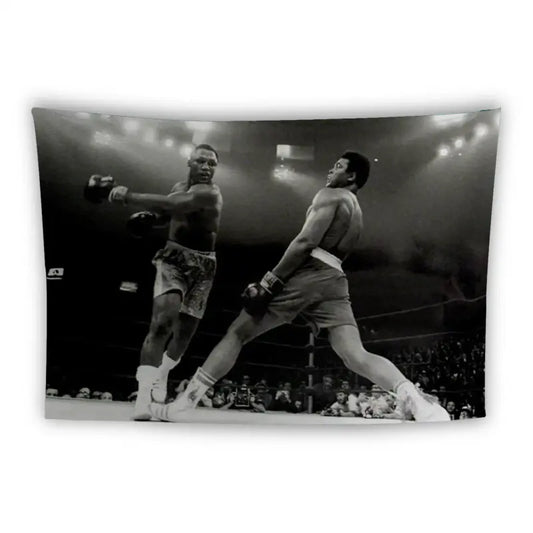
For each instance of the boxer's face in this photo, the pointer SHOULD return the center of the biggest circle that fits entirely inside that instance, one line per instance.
(202, 165)
(339, 176)
(341, 397)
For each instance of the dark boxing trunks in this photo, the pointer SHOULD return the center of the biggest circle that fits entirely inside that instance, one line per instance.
(187, 271)
(316, 292)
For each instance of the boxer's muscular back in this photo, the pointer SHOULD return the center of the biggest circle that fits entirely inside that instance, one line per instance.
(341, 237)
(198, 228)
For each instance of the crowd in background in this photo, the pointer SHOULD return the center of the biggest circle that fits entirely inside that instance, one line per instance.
(450, 370)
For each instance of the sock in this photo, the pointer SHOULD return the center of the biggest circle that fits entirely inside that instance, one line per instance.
(403, 388)
(196, 388)
(167, 364)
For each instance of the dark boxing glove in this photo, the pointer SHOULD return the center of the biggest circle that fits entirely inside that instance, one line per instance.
(257, 296)
(98, 188)
(143, 223)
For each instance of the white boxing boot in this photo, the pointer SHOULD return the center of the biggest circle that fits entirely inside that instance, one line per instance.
(146, 378)
(197, 387)
(422, 407)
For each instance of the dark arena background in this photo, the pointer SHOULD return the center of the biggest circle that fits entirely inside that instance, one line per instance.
(417, 281)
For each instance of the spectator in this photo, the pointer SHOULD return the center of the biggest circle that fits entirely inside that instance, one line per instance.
(298, 407)
(363, 392)
(263, 396)
(51, 393)
(353, 403)
(85, 393)
(339, 407)
(345, 386)
(219, 399)
(229, 402)
(450, 407)
(423, 377)
(261, 383)
(284, 390)
(106, 397)
(466, 412)
(323, 394)
(300, 393)
(378, 404)
(96, 395)
(256, 403)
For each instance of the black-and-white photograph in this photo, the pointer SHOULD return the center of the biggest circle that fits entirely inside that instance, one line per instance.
(266, 272)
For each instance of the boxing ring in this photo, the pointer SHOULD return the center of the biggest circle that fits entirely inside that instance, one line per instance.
(80, 409)
(86, 409)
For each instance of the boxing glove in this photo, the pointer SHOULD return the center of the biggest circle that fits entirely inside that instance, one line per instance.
(257, 296)
(97, 189)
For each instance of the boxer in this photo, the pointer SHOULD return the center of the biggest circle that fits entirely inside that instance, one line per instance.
(185, 267)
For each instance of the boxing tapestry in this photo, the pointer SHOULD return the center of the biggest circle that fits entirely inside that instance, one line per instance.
(266, 272)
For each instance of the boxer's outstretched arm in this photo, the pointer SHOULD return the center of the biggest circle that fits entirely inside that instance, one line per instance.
(316, 224)
(197, 197)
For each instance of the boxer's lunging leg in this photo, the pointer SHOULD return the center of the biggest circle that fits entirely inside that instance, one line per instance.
(346, 342)
(243, 330)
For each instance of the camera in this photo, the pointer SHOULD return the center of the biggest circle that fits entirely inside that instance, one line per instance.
(242, 397)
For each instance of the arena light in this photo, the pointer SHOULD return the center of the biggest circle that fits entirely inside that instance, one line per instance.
(444, 150)
(169, 142)
(459, 143)
(481, 130)
(293, 151)
(281, 173)
(101, 138)
(131, 125)
(185, 150)
(197, 125)
(376, 159)
(449, 120)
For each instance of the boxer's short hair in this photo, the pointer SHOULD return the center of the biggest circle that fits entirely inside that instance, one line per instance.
(206, 147)
(359, 164)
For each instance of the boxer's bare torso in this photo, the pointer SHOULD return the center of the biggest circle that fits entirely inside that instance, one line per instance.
(346, 224)
(197, 229)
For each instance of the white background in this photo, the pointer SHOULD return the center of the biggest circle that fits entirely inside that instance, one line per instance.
(268, 59)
